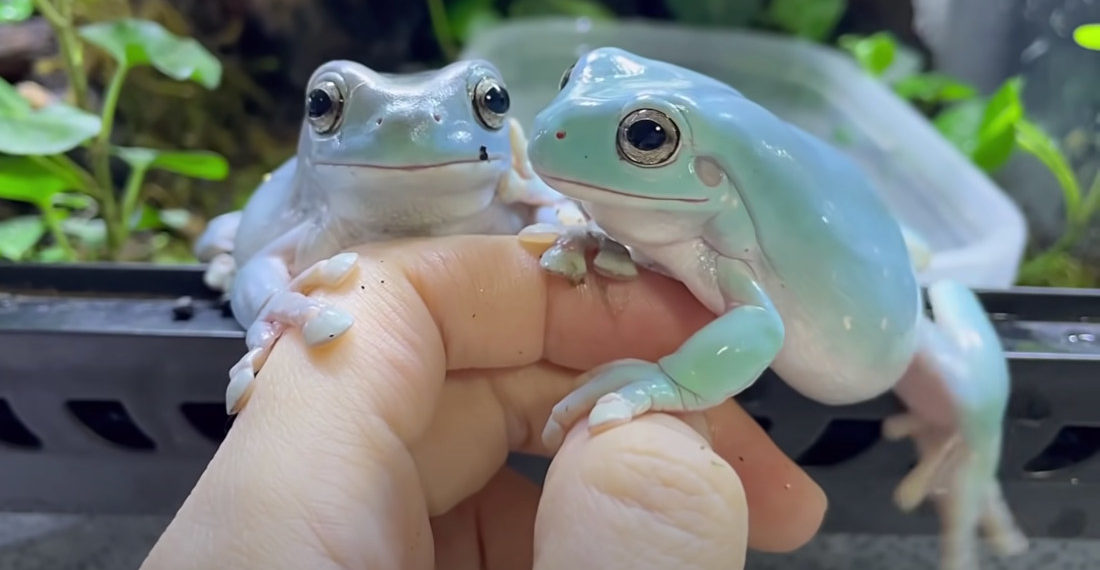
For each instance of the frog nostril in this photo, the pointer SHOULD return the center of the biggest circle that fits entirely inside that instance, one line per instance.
(379, 121)
(483, 153)
(438, 118)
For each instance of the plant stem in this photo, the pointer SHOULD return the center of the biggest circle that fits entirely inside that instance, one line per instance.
(49, 216)
(130, 197)
(442, 29)
(72, 52)
(101, 159)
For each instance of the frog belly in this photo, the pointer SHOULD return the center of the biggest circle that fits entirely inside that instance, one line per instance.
(831, 359)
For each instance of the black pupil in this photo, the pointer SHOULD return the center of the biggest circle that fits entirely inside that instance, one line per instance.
(645, 135)
(318, 103)
(496, 100)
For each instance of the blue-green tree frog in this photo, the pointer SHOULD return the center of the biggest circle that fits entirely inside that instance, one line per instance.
(380, 156)
(788, 243)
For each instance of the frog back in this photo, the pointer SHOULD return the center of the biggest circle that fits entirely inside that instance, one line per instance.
(835, 260)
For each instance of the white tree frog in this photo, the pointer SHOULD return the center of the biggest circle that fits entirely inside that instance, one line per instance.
(786, 240)
(379, 157)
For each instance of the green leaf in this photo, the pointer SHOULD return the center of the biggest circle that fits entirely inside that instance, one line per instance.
(874, 53)
(145, 219)
(54, 129)
(468, 17)
(811, 19)
(933, 88)
(1038, 143)
(11, 102)
(15, 10)
(19, 235)
(1087, 36)
(135, 42)
(196, 164)
(579, 8)
(52, 254)
(731, 13)
(959, 123)
(90, 232)
(25, 180)
(997, 132)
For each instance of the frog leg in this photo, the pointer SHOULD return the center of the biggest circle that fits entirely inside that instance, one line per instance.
(956, 391)
(269, 300)
(564, 250)
(215, 246)
(716, 363)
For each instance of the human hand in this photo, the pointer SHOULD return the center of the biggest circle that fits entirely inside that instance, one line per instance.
(386, 448)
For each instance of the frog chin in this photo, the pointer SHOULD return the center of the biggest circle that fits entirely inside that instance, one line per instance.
(586, 192)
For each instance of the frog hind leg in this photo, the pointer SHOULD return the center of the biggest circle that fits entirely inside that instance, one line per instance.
(269, 300)
(956, 390)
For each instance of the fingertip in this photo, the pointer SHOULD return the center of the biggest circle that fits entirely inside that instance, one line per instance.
(647, 490)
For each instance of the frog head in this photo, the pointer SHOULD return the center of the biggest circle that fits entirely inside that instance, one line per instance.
(633, 132)
(443, 131)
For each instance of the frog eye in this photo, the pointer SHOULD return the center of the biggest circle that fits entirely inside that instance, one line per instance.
(324, 107)
(565, 77)
(491, 103)
(648, 138)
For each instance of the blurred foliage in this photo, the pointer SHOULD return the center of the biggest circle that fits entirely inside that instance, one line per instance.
(58, 156)
(989, 130)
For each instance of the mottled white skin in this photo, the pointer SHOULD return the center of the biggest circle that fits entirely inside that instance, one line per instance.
(409, 157)
(785, 239)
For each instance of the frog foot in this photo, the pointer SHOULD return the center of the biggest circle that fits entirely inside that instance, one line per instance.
(320, 323)
(961, 478)
(569, 245)
(960, 368)
(614, 394)
(220, 272)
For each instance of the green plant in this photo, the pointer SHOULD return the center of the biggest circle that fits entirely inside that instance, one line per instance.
(988, 130)
(54, 155)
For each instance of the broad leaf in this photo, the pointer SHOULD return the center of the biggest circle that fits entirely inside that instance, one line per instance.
(874, 53)
(730, 13)
(11, 102)
(15, 10)
(812, 19)
(1087, 36)
(196, 164)
(933, 88)
(24, 180)
(997, 133)
(55, 129)
(19, 235)
(135, 42)
(1034, 140)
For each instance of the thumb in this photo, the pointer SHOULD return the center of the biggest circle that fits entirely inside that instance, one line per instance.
(649, 493)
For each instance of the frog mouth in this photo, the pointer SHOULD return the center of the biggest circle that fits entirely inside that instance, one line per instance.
(410, 167)
(603, 189)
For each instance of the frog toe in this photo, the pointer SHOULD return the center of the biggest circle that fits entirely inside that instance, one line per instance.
(326, 326)
(613, 261)
(565, 262)
(241, 378)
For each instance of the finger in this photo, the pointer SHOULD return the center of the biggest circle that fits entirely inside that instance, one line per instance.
(491, 530)
(649, 493)
(484, 414)
(496, 307)
(786, 506)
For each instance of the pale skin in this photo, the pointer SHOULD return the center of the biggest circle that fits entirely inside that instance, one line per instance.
(385, 448)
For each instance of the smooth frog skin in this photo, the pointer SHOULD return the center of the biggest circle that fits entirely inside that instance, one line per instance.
(785, 239)
(379, 157)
